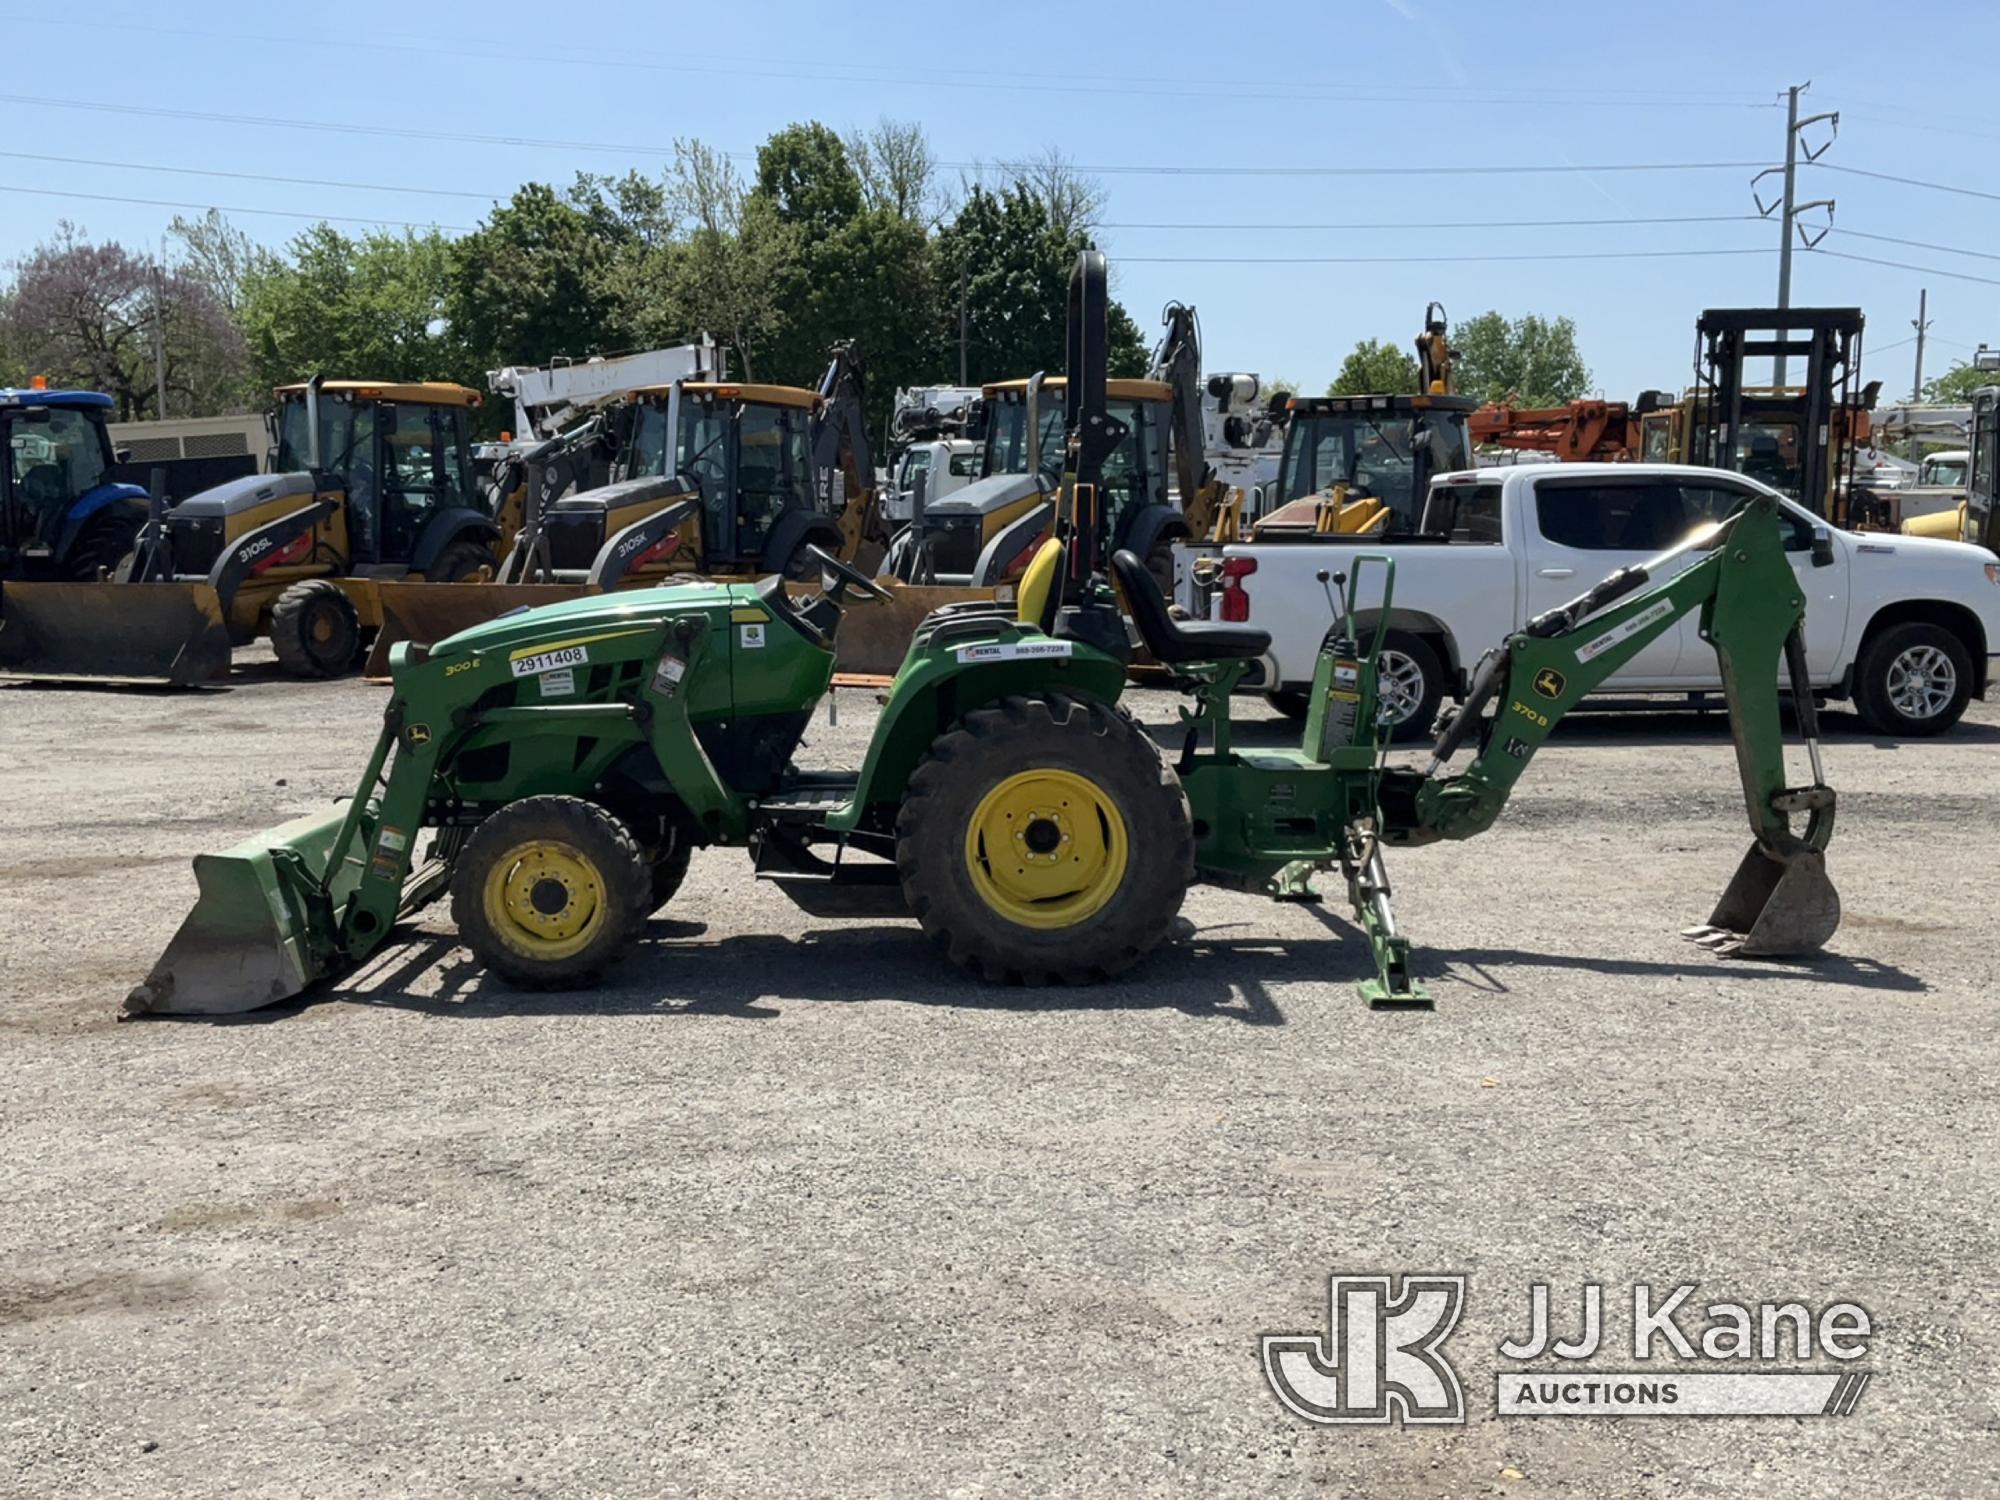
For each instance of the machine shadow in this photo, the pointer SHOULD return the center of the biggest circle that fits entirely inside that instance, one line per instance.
(1471, 967)
(674, 969)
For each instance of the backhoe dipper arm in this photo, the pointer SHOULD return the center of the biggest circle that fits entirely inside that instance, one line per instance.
(1751, 606)
(1177, 362)
(840, 435)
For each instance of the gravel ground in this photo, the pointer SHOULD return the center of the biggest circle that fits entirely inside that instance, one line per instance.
(787, 1207)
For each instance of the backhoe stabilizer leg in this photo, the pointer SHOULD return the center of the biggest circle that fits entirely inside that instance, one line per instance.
(1779, 904)
(1368, 889)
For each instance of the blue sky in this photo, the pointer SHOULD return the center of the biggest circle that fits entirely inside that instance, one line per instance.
(1401, 84)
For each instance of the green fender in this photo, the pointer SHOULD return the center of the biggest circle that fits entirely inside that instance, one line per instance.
(935, 689)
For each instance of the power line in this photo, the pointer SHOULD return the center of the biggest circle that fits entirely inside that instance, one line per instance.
(819, 71)
(1392, 260)
(280, 213)
(1940, 187)
(1464, 224)
(1890, 239)
(139, 166)
(1869, 260)
(404, 132)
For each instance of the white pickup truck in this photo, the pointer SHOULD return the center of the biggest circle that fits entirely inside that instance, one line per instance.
(1906, 627)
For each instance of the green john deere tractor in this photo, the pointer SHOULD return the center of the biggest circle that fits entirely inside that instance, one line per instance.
(564, 761)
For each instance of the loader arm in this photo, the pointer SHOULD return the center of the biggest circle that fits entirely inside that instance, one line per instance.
(1751, 608)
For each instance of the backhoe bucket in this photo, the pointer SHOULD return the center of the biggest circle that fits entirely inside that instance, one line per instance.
(1776, 906)
(428, 612)
(171, 633)
(261, 929)
(875, 633)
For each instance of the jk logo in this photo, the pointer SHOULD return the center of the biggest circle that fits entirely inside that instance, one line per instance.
(1378, 1357)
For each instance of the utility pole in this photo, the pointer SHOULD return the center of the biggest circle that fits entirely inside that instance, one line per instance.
(961, 316)
(159, 353)
(1921, 325)
(1792, 208)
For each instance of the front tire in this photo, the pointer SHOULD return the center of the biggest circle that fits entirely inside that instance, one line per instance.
(1044, 840)
(314, 629)
(1912, 681)
(548, 889)
(462, 560)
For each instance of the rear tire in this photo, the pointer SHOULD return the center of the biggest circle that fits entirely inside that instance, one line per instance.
(314, 629)
(102, 548)
(1912, 681)
(462, 560)
(1077, 794)
(547, 890)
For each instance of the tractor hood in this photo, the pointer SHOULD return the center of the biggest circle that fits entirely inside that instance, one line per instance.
(565, 622)
(994, 492)
(252, 490)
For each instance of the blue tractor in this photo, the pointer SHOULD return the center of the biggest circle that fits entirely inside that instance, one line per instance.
(62, 518)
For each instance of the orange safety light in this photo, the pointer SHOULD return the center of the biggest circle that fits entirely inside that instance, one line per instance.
(39, 383)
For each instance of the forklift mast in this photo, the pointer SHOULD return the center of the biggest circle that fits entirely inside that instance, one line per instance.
(1982, 481)
(1741, 427)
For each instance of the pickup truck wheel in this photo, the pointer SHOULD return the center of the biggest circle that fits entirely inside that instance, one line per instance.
(1912, 681)
(1409, 685)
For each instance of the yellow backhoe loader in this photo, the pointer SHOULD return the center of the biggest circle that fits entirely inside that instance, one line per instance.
(374, 482)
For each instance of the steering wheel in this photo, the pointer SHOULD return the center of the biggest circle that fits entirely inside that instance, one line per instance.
(844, 576)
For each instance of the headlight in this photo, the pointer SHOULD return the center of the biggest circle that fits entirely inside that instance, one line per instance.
(1993, 572)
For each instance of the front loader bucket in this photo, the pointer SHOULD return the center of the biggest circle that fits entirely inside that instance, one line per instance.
(875, 633)
(261, 929)
(428, 612)
(1776, 906)
(171, 633)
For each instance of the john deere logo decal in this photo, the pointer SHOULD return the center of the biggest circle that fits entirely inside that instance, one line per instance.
(418, 734)
(1549, 682)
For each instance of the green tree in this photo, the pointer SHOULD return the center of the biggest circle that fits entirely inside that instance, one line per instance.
(805, 174)
(367, 308)
(1016, 266)
(541, 277)
(1375, 368)
(1957, 384)
(1529, 361)
(721, 275)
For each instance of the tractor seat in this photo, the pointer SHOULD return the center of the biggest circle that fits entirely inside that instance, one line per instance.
(1176, 642)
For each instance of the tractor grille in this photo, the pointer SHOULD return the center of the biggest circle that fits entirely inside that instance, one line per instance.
(954, 543)
(574, 538)
(197, 542)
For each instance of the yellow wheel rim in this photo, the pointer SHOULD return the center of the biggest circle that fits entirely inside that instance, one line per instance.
(1046, 848)
(544, 899)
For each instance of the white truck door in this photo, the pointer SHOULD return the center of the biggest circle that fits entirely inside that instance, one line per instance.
(1825, 588)
(1576, 531)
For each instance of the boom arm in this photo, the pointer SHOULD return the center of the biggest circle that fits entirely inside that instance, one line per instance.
(1751, 607)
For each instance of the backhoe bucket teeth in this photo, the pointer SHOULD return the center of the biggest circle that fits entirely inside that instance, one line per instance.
(171, 633)
(261, 930)
(875, 633)
(1776, 906)
(428, 612)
